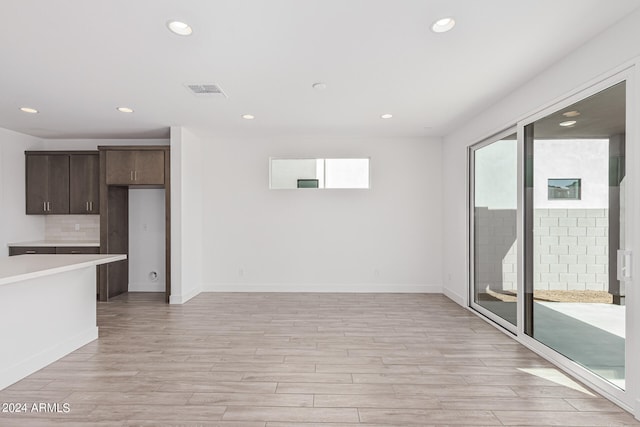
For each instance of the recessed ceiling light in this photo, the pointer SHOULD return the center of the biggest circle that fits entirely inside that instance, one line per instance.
(571, 113)
(319, 86)
(125, 109)
(386, 116)
(568, 123)
(248, 116)
(443, 25)
(179, 28)
(28, 110)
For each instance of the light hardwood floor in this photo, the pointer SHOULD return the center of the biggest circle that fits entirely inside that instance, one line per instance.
(302, 360)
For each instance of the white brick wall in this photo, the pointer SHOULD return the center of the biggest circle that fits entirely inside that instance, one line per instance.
(571, 249)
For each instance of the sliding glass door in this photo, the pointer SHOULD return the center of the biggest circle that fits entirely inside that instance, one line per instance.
(575, 234)
(493, 215)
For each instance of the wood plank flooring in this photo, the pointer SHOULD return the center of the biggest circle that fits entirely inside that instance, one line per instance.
(269, 360)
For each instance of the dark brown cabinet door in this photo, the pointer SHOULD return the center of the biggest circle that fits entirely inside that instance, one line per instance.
(31, 250)
(58, 176)
(149, 168)
(133, 167)
(84, 184)
(120, 167)
(77, 250)
(36, 184)
(47, 185)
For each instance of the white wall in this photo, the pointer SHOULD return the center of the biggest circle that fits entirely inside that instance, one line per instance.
(146, 240)
(15, 225)
(92, 144)
(187, 195)
(587, 159)
(610, 49)
(496, 175)
(387, 238)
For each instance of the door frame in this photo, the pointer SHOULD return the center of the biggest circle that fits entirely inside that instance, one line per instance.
(629, 399)
(629, 71)
(122, 209)
(471, 229)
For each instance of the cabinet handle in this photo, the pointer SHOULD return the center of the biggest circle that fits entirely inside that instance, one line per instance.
(75, 252)
(131, 173)
(29, 252)
(86, 206)
(49, 206)
(135, 175)
(90, 206)
(44, 206)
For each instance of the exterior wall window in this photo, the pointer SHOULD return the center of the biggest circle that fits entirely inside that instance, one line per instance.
(564, 189)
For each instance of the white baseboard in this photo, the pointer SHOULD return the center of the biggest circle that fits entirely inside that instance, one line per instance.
(457, 298)
(146, 287)
(12, 374)
(181, 299)
(419, 288)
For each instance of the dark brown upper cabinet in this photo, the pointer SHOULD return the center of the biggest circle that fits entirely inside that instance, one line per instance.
(47, 183)
(84, 186)
(135, 167)
(62, 182)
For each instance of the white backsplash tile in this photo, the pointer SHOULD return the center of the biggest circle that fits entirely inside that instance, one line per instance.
(63, 227)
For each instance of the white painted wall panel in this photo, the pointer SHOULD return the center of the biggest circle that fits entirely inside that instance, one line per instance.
(146, 240)
(15, 225)
(387, 238)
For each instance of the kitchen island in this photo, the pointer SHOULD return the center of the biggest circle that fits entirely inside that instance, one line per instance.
(47, 309)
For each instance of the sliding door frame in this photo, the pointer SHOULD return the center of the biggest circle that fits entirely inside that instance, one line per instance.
(629, 398)
(471, 229)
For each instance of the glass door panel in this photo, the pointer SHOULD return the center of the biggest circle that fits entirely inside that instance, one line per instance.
(494, 214)
(574, 229)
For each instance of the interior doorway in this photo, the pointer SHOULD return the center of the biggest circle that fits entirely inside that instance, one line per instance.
(146, 240)
(125, 170)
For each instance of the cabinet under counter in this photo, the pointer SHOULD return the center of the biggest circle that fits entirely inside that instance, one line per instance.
(54, 247)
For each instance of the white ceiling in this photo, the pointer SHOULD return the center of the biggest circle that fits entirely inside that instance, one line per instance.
(77, 60)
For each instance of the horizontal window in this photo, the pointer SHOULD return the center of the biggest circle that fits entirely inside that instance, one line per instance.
(319, 173)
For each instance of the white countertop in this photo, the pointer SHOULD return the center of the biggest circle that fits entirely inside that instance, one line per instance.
(24, 267)
(58, 243)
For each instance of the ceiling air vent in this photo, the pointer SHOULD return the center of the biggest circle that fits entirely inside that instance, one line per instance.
(208, 90)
